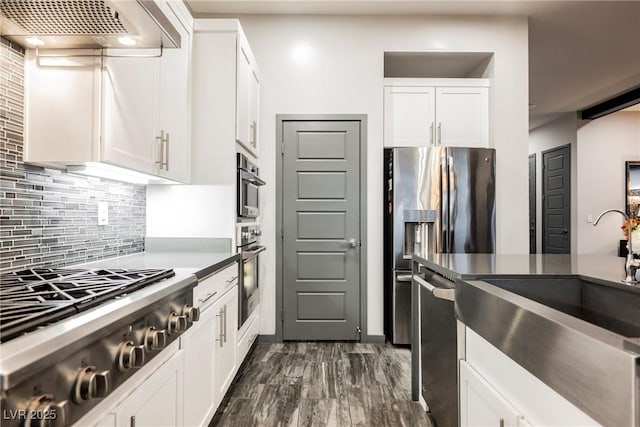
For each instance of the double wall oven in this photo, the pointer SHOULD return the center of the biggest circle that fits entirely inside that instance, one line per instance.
(248, 236)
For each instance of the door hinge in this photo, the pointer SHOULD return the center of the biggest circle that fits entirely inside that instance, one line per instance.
(282, 316)
(358, 330)
(282, 232)
(282, 148)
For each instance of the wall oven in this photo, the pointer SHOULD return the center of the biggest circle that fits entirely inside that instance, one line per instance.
(249, 278)
(249, 184)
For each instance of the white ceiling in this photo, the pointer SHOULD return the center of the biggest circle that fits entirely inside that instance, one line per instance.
(580, 52)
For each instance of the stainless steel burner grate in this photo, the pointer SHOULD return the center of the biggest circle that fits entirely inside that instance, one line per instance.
(36, 297)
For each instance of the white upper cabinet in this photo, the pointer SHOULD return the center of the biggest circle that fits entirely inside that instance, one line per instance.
(462, 116)
(129, 95)
(247, 92)
(226, 86)
(124, 109)
(409, 116)
(431, 112)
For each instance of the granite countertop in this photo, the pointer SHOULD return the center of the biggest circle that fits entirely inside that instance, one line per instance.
(469, 266)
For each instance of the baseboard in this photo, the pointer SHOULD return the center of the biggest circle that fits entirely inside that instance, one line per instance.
(373, 339)
(268, 339)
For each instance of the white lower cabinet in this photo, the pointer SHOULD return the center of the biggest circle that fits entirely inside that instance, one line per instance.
(247, 336)
(210, 348)
(200, 401)
(226, 312)
(493, 387)
(156, 402)
(481, 405)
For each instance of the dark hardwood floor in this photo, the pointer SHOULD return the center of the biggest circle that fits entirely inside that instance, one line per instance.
(322, 384)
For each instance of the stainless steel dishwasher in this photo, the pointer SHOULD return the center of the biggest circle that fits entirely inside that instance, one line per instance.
(438, 347)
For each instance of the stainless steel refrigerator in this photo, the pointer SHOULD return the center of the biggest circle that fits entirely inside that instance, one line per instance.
(437, 199)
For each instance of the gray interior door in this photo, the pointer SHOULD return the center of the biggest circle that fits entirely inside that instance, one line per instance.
(556, 201)
(321, 241)
(532, 204)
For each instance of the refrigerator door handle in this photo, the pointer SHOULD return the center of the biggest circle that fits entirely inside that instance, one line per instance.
(444, 205)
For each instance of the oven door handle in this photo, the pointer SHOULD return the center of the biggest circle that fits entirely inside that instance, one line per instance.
(252, 178)
(246, 255)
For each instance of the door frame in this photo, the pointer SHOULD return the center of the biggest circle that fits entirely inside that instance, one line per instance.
(280, 119)
(544, 196)
(534, 157)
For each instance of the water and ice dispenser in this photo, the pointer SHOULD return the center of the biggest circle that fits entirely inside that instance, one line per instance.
(418, 231)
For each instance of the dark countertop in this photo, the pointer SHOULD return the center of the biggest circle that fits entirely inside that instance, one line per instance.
(469, 266)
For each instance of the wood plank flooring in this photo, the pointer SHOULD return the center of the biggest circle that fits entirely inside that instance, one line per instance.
(322, 384)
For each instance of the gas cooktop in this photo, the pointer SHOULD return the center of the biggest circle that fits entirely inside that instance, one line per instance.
(34, 298)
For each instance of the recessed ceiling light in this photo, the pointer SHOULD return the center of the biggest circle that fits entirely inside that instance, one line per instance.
(34, 41)
(126, 41)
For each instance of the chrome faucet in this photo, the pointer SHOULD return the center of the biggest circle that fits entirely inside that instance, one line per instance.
(631, 265)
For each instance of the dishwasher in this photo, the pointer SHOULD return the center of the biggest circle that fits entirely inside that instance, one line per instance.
(438, 347)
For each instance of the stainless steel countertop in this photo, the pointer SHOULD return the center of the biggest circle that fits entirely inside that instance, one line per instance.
(469, 266)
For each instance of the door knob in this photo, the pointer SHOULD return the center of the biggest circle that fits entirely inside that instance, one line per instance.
(353, 243)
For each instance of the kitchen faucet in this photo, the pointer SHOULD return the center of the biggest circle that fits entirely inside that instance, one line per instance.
(631, 265)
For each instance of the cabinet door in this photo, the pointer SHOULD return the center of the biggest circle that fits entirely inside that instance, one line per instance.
(243, 83)
(462, 116)
(129, 95)
(199, 345)
(409, 116)
(480, 404)
(254, 107)
(158, 401)
(226, 312)
(174, 104)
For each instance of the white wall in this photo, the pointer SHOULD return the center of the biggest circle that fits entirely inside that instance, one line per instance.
(604, 145)
(191, 211)
(334, 64)
(561, 131)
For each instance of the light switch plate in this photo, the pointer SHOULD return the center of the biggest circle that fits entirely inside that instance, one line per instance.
(103, 213)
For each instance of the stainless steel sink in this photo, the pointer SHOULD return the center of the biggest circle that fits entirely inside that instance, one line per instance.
(608, 305)
(578, 335)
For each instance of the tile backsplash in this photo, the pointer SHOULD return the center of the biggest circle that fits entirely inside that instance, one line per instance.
(48, 217)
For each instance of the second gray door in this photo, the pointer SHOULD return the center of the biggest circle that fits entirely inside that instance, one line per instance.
(556, 201)
(321, 241)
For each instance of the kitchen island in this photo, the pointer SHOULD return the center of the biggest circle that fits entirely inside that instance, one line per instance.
(553, 337)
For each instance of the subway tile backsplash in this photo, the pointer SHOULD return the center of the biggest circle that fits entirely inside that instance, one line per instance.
(48, 217)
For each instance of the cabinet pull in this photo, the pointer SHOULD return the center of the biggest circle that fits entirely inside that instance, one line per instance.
(431, 134)
(232, 281)
(208, 297)
(160, 140)
(220, 325)
(132, 421)
(252, 134)
(440, 133)
(225, 323)
(166, 152)
(163, 152)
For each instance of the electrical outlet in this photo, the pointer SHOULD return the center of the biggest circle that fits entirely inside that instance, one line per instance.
(103, 213)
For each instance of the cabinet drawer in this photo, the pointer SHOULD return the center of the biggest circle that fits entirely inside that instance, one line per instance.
(213, 287)
(249, 336)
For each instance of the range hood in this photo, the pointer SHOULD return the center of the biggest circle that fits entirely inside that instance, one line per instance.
(86, 24)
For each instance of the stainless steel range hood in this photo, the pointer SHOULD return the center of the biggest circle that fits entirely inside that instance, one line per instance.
(68, 24)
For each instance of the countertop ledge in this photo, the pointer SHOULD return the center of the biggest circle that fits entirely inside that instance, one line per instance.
(199, 263)
(477, 266)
